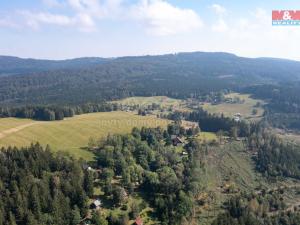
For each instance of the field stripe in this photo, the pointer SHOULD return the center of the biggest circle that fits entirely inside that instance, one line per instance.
(16, 129)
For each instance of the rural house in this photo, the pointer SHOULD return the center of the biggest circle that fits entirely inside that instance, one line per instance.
(177, 141)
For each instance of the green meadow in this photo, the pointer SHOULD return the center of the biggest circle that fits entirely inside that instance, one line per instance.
(72, 134)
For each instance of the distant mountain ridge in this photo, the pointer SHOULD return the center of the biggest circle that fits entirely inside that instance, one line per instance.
(175, 75)
(228, 62)
(15, 65)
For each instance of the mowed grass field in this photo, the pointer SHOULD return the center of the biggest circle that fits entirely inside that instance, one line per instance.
(230, 109)
(72, 134)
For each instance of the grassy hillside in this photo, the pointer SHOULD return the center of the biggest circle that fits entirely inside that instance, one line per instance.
(72, 135)
(229, 170)
(6, 124)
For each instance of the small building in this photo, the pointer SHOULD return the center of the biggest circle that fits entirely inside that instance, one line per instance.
(177, 141)
(184, 153)
(138, 221)
(237, 117)
(96, 204)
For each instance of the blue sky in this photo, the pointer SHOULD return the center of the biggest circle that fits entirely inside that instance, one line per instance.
(59, 29)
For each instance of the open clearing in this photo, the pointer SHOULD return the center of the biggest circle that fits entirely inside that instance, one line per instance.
(207, 136)
(163, 101)
(72, 134)
(245, 108)
(145, 101)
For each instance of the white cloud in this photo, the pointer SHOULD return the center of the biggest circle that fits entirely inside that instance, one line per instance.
(91, 7)
(96, 8)
(218, 9)
(52, 3)
(86, 23)
(35, 20)
(158, 16)
(254, 35)
(8, 23)
(161, 18)
(220, 26)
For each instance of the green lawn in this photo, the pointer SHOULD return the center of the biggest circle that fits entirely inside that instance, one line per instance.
(206, 136)
(230, 109)
(72, 134)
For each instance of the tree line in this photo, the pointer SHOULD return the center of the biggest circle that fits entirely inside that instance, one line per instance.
(51, 113)
(214, 123)
(274, 157)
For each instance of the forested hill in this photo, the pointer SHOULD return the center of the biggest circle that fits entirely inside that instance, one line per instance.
(13, 65)
(174, 75)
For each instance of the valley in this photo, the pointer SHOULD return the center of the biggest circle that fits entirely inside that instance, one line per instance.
(188, 152)
(149, 112)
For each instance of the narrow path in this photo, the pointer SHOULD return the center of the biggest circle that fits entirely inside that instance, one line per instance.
(16, 129)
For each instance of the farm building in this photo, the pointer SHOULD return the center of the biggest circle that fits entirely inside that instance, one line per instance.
(177, 141)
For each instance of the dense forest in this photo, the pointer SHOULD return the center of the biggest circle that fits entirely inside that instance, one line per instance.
(255, 209)
(38, 188)
(149, 164)
(275, 157)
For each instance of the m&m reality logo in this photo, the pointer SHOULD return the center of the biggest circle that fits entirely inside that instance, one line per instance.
(286, 17)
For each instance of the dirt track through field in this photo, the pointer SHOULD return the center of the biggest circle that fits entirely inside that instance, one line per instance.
(16, 129)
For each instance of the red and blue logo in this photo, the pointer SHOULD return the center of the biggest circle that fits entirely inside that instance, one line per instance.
(286, 17)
